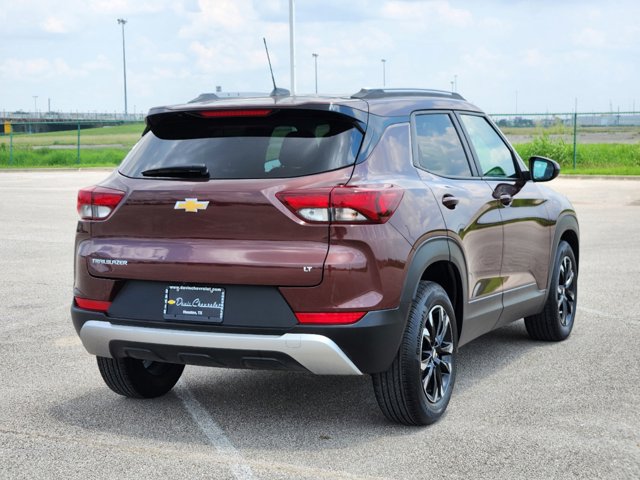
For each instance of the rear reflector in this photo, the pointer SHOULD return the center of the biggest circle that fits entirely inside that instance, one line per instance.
(97, 203)
(344, 204)
(326, 318)
(96, 305)
(256, 112)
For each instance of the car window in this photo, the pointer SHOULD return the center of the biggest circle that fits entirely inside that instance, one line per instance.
(493, 154)
(440, 150)
(283, 144)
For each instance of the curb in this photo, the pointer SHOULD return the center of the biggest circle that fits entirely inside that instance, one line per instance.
(600, 177)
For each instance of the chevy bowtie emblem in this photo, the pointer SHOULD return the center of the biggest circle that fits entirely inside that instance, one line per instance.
(191, 205)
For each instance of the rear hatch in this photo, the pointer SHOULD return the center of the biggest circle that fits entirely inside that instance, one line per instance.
(200, 197)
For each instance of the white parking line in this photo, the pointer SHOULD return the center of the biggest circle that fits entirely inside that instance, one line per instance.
(214, 433)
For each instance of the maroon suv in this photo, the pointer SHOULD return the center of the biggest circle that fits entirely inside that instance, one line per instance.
(372, 234)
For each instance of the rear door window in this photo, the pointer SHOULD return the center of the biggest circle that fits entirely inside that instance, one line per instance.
(440, 150)
(282, 144)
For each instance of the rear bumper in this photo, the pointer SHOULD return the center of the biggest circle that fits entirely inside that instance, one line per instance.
(316, 353)
(368, 346)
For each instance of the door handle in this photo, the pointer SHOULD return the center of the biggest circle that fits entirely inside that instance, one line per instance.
(450, 201)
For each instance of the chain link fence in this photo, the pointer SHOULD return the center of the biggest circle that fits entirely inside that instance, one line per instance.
(599, 141)
(72, 142)
(575, 139)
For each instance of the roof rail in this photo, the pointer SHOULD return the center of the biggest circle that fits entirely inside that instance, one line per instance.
(370, 93)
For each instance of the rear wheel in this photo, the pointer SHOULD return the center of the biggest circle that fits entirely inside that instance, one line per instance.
(135, 378)
(555, 321)
(417, 387)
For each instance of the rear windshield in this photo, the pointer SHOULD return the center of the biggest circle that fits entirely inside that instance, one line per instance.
(282, 144)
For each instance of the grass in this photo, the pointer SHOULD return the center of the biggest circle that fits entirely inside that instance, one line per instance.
(125, 135)
(562, 129)
(117, 140)
(45, 157)
(591, 159)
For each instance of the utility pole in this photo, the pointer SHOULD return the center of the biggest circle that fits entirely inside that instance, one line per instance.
(315, 60)
(122, 21)
(35, 104)
(292, 44)
(384, 72)
(575, 133)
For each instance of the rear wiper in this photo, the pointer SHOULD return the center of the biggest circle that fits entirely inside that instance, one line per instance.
(179, 171)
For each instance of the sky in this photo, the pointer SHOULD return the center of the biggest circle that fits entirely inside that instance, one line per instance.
(506, 56)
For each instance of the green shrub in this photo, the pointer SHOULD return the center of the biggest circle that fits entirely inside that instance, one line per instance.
(556, 149)
(591, 158)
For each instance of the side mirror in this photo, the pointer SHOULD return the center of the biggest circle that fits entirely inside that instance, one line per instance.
(543, 169)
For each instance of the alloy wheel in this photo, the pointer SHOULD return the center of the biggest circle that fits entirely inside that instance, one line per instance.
(566, 294)
(437, 354)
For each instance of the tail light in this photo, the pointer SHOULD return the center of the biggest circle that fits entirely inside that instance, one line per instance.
(97, 203)
(328, 318)
(95, 305)
(343, 204)
(255, 112)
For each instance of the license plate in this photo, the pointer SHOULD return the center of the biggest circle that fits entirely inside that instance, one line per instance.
(196, 304)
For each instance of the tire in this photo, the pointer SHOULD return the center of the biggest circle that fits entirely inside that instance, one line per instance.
(139, 378)
(555, 322)
(416, 388)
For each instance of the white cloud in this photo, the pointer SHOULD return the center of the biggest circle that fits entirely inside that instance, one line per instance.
(171, 57)
(589, 38)
(221, 59)
(126, 7)
(533, 57)
(593, 13)
(229, 16)
(36, 69)
(225, 39)
(54, 25)
(169, 73)
(101, 62)
(72, 50)
(483, 59)
(495, 24)
(427, 12)
(453, 16)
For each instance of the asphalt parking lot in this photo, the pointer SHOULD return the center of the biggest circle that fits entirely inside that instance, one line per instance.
(520, 409)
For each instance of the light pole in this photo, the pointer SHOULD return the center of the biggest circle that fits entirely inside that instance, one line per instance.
(292, 44)
(122, 22)
(35, 104)
(315, 61)
(384, 72)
